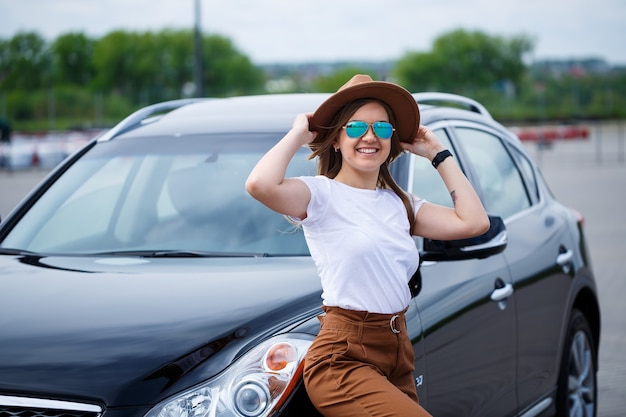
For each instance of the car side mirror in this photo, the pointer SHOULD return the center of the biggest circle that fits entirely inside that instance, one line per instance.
(490, 243)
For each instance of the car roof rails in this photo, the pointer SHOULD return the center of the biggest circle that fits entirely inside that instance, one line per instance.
(144, 116)
(458, 100)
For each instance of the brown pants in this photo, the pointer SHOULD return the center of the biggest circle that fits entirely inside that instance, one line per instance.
(359, 366)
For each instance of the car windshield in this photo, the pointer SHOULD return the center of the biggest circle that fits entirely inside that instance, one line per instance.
(179, 196)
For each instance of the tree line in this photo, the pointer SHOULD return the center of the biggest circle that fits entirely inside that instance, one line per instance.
(80, 81)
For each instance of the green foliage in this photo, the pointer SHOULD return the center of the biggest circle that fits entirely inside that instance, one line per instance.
(65, 107)
(575, 96)
(149, 67)
(72, 62)
(25, 62)
(331, 83)
(144, 67)
(491, 69)
(80, 81)
(226, 71)
(462, 60)
(61, 80)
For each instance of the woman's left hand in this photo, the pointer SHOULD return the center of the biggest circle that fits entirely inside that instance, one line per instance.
(467, 218)
(424, 144)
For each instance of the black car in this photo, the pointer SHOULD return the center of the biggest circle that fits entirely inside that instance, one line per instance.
(139, 279)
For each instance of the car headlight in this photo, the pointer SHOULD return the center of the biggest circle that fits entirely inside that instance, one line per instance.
(253, 386)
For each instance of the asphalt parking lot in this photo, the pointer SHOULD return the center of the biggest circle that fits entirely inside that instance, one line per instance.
(588, 175)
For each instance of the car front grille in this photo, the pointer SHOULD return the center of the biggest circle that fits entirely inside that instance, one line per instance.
(40, 412)
(37, 407)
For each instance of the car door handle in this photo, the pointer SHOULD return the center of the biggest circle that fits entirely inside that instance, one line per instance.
(503, 293)
(564, 259)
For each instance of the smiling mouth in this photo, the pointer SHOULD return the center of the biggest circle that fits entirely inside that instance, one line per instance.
(367, 150)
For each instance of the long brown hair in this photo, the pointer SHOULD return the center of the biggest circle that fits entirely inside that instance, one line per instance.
(329, 161)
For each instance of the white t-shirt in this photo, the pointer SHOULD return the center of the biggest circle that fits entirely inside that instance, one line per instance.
(360, 242)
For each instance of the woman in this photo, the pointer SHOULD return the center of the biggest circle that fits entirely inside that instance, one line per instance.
(358, 225)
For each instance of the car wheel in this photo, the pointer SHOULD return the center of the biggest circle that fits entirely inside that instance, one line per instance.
(577, 392)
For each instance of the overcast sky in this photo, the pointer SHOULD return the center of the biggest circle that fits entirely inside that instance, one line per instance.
(271, 31)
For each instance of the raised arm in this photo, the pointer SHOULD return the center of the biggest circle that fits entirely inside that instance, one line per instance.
(267, 182)
(468, 217)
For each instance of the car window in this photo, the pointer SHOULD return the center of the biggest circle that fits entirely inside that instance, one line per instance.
(528, 173)
(72, 210)
(502, 188)
(152, 194)
(425, 182)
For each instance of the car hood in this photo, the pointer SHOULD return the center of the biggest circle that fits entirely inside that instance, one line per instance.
(132, 331)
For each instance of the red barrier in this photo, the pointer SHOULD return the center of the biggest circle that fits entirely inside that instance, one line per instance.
(550, 133)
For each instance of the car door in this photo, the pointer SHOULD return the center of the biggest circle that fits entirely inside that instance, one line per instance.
(469, 338)
(540, 252)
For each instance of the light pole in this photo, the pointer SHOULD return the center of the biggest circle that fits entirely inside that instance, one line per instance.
(198, 52)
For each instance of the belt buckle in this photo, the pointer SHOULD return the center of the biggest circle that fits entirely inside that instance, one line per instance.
(392, 324)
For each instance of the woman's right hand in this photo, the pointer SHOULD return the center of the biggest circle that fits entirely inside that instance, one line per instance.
(301, 127)
(267, 182)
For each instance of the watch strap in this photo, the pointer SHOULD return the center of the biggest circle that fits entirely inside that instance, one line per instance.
(440, 157)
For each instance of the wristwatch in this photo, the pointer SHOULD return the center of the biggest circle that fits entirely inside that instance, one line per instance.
(440, 157)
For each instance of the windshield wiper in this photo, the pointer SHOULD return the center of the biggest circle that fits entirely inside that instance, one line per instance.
(182, 254)
(13, 251)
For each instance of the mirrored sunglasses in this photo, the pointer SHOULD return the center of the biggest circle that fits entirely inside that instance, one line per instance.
(358, 128)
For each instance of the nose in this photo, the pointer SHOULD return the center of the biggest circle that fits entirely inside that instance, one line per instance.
(369, 134)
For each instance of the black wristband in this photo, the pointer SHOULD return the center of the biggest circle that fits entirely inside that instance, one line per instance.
(440, 157)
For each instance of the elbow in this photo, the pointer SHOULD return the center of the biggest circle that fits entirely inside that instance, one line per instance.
(260, 189)
(482, 225)
(254, 187)
(249, 186)
(475, 227)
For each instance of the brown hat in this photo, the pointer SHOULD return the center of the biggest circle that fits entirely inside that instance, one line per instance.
(360, 86)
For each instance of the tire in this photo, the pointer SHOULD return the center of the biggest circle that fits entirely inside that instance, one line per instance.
(577, 389)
